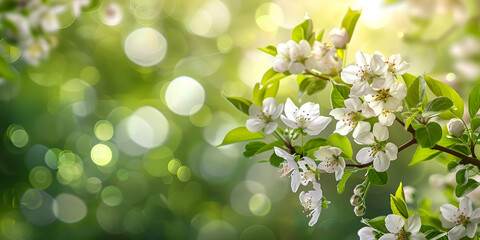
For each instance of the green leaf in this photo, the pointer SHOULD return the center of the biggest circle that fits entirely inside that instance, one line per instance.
(262, 92)
(350, 20)
(303, 31)
(314, 143)
(342, 142)
(270, 76)
(462, 190)
(320, 35)
(309, 85)
(410, 119)
(377, 223)
(341, 183)
(270, 146)
(240, 134)
(275, 160)
(452, 165)
(423, 154)
(338, 95)
(416, 92)
(437, 106)
(5, 70)
(239, 103)
(461, 177)
(270, 49)
(475, 123)
(474, 100)
(377, 178)
(429, 135)
(399, 193)
(441, 89)
(251, 148)
(408, 79)
(399, 207)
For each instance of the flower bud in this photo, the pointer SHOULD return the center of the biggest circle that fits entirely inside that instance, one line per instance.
(356, 200)
(280, 65)
(360, 210)
(359, 189)
(339, 38)
(455, 127)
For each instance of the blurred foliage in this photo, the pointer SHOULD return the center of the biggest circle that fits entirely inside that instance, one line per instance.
(105, 140)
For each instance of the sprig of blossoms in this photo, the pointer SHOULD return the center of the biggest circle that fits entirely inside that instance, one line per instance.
(461, 221)
(30, 25)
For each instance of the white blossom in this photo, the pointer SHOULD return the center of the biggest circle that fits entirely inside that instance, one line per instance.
(312, 201)
(455, 127)
(395, 64)
(112, 14)
(47, 17)
(331, 160)
(294, 57)
(367, 68)
(307, 118)
(349, 116)
(261, 118)
(380, 153)
(339, 37)
(386, 94)
(291, 167)
(366, 233)
(328, 62)
(77, 6)
(399, 229)
(36, 50)
(463, 221)
(309, 167)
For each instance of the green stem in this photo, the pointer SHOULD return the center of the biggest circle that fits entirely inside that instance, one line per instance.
(366, 190)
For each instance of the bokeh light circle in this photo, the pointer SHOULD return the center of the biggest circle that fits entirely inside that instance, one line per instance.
(101, 154)
(145, 47)
(103, 130)
(147, 127)
(217, 230)
(184, 174)
(185, 96)
(40, 177)
(259, 204)
(69, 208)
(257, 232)
(112, 196)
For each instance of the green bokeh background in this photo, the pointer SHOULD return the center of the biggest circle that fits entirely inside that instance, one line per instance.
(143, 193)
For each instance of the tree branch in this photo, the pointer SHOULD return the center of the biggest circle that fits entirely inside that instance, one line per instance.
(464, 158)
(316, 75)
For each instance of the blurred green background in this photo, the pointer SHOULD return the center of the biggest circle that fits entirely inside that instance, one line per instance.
(114, 135)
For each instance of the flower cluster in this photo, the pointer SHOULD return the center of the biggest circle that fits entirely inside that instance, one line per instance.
(366, 98)
(30, 25)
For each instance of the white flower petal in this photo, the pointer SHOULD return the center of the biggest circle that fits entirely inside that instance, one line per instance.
(365, 155)
(366, 233)
(361, 127)
(457, 233)
(290, 123)
(388, 236)
(381, 162)
(268, 106)
(413, 224)
(394, 223)
(349, 74)
(475, 217)
(365, 138)
(255, 125)
(353, 104)
(311, 108)
(270, 127)
(290, 109)
(317, 125)
(449, 212)
(471, 229)
(278, 111)
(343, 129)
(254, 110)
(391, 151)
(380, 132)
(296, 68)
(315, 216)
(386, 118)
(360, 89)
(465, 206)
